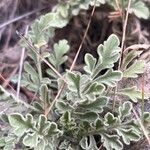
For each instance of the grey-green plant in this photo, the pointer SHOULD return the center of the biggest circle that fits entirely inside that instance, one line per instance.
(83, 111)
(84, 115)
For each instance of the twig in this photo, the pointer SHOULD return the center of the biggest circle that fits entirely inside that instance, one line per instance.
(47, 111)
(86, 31)
(6, 82)
(137, 47)
(100, 147)
(10, 27)
(141, 124)
(21, 66)
(1, 77)
(74, 61)
(124, 33)
(118, 7)
(122, 48)
(143, 92)
(19, 18)
(3, 111)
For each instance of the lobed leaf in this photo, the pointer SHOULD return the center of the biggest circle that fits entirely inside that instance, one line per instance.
(136, 68)
(95, 105)
(45, 94)
(41, 145)
(111, 142)
(21, 124)
(146, 117)
(31, 140)
(91, 145)
(94, 88)
(87, 116)
(108, 53)
(110, 120)
(90, 62)
(98, 124)
(140, 9)
(74, 81)
(63, 106)
(128, 58)
(110, 78)
(58, 57)
(125, 110)
(128, 135)
(132, 93)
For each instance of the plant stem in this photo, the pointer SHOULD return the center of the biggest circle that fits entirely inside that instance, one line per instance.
(39, 68)
(21, 67)
(124, 32)
(145, 132)
(143, 97)
(122, 46)
(118, 7)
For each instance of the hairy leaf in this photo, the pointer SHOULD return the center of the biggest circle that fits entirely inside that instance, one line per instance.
(63, 107)
(110, 120)
(135, 69)
(109, 78)
(125, 109)
(21, 124)
(146, 117)
(74, 81)
(132, 93)
(30, 140)
(94, 88)
(58, 57)
(99, 124)
(87, 116)
(137, 7)
(140, 9)
(10, 142)
(111, 142)
(43, 28)
(128, 135)
(45, 95)
(128, 58)
(90, 62)
(108, 55)
(109, 52)
(95, 105)
(41, 145)
(91, 145)
(67, 121)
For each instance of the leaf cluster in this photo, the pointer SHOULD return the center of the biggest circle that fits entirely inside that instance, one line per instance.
(85, 112)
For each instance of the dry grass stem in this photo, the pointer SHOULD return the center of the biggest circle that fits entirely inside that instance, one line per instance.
(142, 127)
(1, 77)
(19, 18)
(21, 66)
(118, 7)
(124, 33)
(122, 48)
